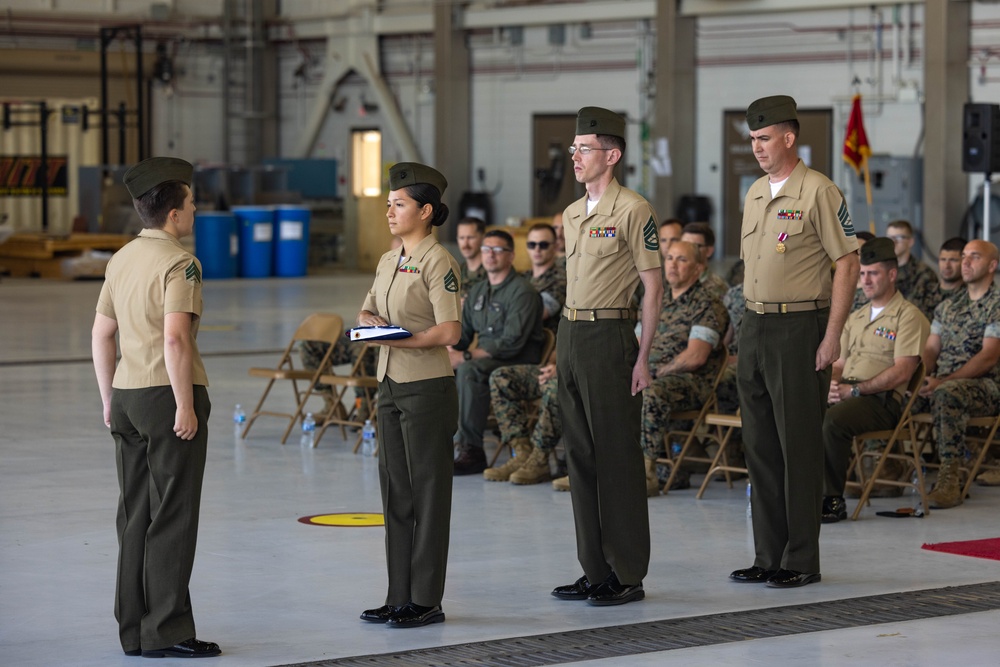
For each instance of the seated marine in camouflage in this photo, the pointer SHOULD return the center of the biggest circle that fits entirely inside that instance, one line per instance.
(512, 390)
(961, 355)
(687, 351)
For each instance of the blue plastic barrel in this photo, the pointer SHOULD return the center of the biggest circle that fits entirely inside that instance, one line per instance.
(256, 225)
(291, 241)
(216, 244)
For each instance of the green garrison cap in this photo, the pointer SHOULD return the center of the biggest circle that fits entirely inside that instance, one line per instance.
(149, 173)
(595, 120)
(402, 174)
(879, 249)
(769, 111)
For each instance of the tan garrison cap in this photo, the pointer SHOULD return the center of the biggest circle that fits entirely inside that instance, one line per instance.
(769, 111)
(402, 174)
(595, 120)
(879, 249)
(149, 173)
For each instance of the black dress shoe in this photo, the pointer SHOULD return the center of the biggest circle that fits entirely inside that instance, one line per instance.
(578, 590)
(834, 509)
(191, 648)
(134, 651)
(792, 579)
(471, 461)
(752, 575)
(413, 616)
(613, 592)
(380, 615)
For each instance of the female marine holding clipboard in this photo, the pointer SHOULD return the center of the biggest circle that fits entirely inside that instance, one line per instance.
(416, 288)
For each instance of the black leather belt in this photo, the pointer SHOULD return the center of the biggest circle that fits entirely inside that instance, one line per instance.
(782, 308)
(594, 314)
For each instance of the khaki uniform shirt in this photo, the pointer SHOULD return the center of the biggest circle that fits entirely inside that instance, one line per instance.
(606, 250)
(963, 324)
(872, 346)
(151, 276)
(416, 294)
(811, 210)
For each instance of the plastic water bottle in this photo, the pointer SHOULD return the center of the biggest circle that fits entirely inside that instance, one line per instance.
(749, 506)
(368, 439)
(239, 419)
(675, 450)
(308, 431)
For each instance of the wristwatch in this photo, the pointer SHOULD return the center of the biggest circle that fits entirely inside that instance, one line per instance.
(855, 392)
(467, 354)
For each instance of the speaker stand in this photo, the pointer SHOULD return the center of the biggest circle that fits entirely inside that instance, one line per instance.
(986, 207)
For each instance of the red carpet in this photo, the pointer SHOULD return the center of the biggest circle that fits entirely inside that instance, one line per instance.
(989, 548)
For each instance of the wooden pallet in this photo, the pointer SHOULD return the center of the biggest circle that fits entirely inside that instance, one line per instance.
(62, 257)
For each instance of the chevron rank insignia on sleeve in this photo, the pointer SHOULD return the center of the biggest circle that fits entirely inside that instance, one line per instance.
(192, 273)
(649, 236)
(845, 219)
(450, 281)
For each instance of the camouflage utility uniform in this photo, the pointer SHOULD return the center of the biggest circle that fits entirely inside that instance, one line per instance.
(919, 285)
(962, 324)
(511, 389)
(699, 314)
(552, 286)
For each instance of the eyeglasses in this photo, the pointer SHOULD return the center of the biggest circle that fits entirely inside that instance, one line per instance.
(585, 150)
(495, 249)
(900, 237)
(541, 245)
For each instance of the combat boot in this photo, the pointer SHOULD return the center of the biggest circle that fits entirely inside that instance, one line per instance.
(652, 483)
(534, 470)
(948, 490)
(989, 478)
(522, 451)
(561, 484)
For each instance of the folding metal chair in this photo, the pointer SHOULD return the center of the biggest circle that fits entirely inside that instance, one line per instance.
(357, 377)
(691, 437)
(325, 327)
(982, 443)
(906, 430)
(724, 425)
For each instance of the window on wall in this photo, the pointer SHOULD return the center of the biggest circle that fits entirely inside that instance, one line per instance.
(367, 163)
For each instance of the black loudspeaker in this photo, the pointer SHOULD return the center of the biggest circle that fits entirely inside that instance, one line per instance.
(981, 138)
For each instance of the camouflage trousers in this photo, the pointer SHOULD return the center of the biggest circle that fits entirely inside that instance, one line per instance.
(726, 392)
(951, 404)
(512, 391)
(344, 353)
(664, 396)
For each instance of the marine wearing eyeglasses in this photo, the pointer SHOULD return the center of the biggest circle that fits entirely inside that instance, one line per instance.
(504, 314)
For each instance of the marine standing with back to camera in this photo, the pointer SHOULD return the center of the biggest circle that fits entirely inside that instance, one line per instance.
(795, 223)
(156, 405)
(416, 287)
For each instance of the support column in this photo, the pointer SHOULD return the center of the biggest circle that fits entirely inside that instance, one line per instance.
(674, 109)
(452, 105)
(946, 89)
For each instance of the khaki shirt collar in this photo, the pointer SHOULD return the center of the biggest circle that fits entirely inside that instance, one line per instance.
(792, 187)
(160, 235)
(418, 252)
(891, 307)
(606, 204)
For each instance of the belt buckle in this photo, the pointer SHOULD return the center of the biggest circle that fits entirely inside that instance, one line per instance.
(593, 316)
(758, 307)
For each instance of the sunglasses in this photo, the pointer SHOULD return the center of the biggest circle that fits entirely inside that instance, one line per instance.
(541, 245)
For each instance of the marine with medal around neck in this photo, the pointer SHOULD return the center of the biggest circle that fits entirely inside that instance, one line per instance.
(795, 223)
